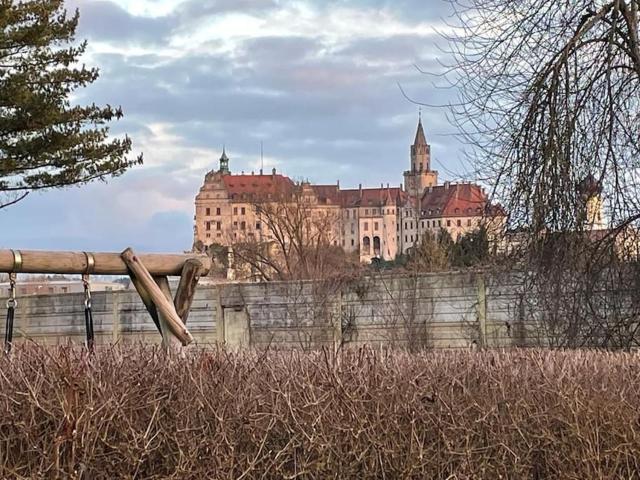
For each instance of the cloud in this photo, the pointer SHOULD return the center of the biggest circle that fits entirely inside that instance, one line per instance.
(316, 82)
(104, 20)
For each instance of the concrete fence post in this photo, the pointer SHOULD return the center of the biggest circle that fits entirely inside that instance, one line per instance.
(115, 317)
(482, 310)
(337, 323)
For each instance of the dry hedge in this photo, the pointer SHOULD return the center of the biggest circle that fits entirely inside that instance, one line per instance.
(133, 413)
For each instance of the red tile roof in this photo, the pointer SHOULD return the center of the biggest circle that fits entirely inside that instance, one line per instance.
(327, 194)
(372, 197)
(453, 200)
(248, 186)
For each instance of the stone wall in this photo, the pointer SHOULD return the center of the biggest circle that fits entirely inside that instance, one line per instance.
(431, 310)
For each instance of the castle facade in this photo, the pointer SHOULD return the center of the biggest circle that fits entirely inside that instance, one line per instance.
(375, 222)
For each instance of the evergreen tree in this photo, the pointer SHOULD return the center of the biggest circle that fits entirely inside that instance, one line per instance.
(471, 249)
(45, 141)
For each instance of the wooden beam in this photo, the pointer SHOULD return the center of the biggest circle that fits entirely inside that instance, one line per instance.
(69, 263)
(163, 304)
(187, 288)
(146, 299)
(168, 338)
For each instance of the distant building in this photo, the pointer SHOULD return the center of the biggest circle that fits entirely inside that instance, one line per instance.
(375, 222)
(27, 287)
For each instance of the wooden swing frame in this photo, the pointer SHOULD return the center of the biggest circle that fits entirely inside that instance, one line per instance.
(148, 272)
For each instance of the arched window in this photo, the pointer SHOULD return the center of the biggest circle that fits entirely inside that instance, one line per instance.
(366, 245)
(376, 246)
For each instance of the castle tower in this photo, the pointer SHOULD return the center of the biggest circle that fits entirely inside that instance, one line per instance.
(590, 191)
(420, 176)
(224, 163)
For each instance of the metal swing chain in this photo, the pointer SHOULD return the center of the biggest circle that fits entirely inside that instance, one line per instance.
(88, 315)
(12, 303)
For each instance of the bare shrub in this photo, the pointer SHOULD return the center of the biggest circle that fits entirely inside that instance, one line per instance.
(133, 413)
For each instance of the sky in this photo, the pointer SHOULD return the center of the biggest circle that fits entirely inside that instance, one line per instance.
(316, 81)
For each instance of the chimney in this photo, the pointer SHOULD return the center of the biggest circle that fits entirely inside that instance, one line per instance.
(260, 171)
(431, 189)
(360, 188)
(273, 172)
(446, 185)
(252, 173)
(387, 185)
(338, 184)
(242, 172)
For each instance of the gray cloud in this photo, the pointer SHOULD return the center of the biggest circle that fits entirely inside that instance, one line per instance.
(324, 111)
(104, 20)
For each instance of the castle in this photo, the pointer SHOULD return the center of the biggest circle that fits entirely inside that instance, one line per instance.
(375, 222)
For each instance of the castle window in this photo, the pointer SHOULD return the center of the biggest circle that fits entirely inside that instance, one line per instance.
(366, 211)
(243, 225)
(208, 225)
(439, 223)
(459, 223)
(258, 226)
(218, 226)
(235, 210)
(375, 225)
(366, 245)
(366, 226)
(347, 213)
(468, 222)
(235, 224)
(448, 223)
(242, 211)
(406, 239)
(208, 235)
(353, 242)
(457, 210)
(208, 211)
(422, 223)
(218, 211)
(411, 225)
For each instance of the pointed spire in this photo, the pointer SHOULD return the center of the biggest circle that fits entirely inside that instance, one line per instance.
(224, 161)
(420, 138)
(224, 153)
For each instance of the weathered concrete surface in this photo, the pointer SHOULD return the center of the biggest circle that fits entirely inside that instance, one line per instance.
(432, 310)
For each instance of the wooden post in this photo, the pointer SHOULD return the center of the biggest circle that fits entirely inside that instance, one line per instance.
(146, 299)
(168, 339)
(163, 304)
(187, 288)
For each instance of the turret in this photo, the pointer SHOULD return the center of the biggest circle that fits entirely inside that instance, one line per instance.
(224, 163)
(420, 176)
(420, 151)
(590, 191)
